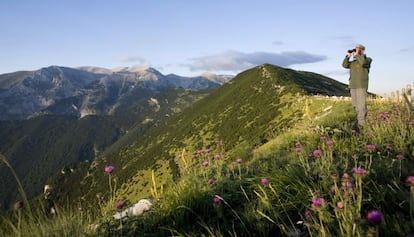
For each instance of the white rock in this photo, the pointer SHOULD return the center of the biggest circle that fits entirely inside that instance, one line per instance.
(138, 209)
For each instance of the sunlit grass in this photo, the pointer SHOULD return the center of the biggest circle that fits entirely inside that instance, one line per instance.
(320, 177)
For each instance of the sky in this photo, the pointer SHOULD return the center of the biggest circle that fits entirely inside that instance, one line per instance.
(190, 37)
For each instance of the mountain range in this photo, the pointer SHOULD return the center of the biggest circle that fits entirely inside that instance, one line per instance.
(86, 90)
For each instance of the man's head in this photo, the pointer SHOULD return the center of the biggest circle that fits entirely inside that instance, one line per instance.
(360, 49)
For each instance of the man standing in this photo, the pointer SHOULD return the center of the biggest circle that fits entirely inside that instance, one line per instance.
(358, 64)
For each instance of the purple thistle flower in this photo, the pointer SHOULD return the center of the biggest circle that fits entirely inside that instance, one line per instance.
(109, 169)
(375, 217)
(340, 204)
(410, 180)
(388, 148)
(348, 185)
(371, 147)
(330, 143)
(216, 199)
(317, 202)
(205, 163)
(308, 213)
(400, 157)
(217, 156)
(359, 171)
(239, 161)
(210, 181)
(323, 138)
(317, 153)
(119, 205)
(18, 205)
(333, 189)
(265, 181)
(297, 144)
(298, 149)
(346, 176)
(354, 132)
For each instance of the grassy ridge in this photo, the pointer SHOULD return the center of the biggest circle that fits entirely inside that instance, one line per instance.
(247, 112)
(301, 182)
(320, 178)
(280, 161)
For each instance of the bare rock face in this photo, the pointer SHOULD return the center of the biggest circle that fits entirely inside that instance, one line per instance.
(84, 91)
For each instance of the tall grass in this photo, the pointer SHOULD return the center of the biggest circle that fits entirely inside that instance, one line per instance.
(25, 220)
(320, 178)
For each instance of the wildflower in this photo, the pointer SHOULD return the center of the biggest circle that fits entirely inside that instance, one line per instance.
(323, 138)
(375, 217)
(239, 161)
(330, 143)
(308, 213)
(340, 205)
(388, 148)
(410, 180)
(298, 149)
(109, 169)
(371, 147)
(354, 132)
(347, 185)
(400, 157)
(205, 163)
(359, 170)
(216, 199)
(317, 202)
(317, 152)
(119, 205)
(210, 181)
(217, 156)
(346, 176)
(265, 181)
(18, 205)
(298, 145)
(383, 116)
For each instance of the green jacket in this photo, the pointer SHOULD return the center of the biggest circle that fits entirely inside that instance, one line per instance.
(359, 69)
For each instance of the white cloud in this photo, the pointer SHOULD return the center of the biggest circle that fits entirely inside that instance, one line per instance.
(236, 61)
(129, 59)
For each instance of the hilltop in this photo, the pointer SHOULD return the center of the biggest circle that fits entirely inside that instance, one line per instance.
(245, 113)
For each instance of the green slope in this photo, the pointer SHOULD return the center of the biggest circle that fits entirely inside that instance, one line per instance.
(40, 147)
(245, 113)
